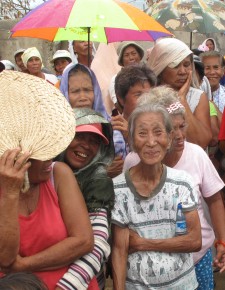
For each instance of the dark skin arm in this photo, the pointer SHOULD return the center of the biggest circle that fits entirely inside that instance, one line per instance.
(217, 214)
(190, 242)
(199, 127)
(120, 245)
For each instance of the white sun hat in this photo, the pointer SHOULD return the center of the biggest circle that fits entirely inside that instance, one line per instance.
(35, 116)
(61, 54)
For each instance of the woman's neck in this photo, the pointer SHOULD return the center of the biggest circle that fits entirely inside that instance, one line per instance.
(172, 157)
(146, 178)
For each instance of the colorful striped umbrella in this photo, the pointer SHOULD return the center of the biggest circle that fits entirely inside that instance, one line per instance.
(92, 20)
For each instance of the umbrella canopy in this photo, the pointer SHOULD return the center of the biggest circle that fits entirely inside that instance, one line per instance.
(57, 20)
(192, 16)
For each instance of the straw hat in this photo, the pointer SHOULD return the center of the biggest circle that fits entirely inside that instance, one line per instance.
(34, 115)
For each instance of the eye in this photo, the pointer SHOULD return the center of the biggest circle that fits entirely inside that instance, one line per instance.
(142, 133)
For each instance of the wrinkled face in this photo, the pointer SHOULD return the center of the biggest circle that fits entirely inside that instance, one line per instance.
(81, 91)
(34, 65)
(210, 44)
(179, 132)
(19, 62)
(130, 56)
(176, 77)
(60, 64)
(82, 149)
(151, 140)
(81, 47)
(129, 103)
(213, 70)
(39, 171)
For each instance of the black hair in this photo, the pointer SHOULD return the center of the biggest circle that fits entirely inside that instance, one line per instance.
(130, 76)
(21, 281)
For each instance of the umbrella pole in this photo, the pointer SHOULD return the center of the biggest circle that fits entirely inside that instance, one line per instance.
(191, 40)
(89, 31)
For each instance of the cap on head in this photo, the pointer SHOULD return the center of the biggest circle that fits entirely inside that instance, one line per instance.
(61, 54)
(8, 64)
(123, 46)
(93, 128)
(18, 51)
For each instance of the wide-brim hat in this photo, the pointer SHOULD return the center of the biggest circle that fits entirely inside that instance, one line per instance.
(93, 128)
(123, 45)
(61, 54)
(35, 116)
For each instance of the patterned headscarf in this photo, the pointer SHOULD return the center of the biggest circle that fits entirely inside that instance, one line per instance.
(98, 105)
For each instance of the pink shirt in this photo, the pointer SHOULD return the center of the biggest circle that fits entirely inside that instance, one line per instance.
(196, 162)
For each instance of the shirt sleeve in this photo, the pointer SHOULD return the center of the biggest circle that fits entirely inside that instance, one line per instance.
(81, 272)
(120, 210)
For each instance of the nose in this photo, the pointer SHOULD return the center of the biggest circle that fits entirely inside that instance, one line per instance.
(152, 140)
(182, 70)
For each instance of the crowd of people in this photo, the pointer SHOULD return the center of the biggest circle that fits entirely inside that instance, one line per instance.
(137, 194)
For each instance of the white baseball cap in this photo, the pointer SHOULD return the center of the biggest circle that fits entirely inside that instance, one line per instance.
(61, 54)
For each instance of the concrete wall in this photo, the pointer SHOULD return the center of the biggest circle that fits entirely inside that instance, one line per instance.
(9, 45)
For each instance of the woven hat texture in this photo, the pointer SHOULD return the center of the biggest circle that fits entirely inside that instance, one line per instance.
(34, 115)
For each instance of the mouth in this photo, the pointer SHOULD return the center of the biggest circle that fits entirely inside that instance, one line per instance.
(80, 155)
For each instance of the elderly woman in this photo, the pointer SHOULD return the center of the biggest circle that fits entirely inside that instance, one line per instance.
(172, 62)
(81, 89)
(147, 252)
(206, 180)
(32, 60)
(88, 155)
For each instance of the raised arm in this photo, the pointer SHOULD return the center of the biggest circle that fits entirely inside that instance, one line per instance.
(120, 237)
(11, 181)
(76, 219)
(199, 127)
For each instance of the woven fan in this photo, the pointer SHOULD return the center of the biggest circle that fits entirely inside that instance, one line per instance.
(34, 115)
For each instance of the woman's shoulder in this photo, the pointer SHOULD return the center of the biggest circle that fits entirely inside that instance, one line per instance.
(119, 180)
(178, 176)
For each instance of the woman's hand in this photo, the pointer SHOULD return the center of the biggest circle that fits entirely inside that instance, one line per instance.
(17, 266)
(119, 123)
(185, 88)
(13, 165)
(219, 260)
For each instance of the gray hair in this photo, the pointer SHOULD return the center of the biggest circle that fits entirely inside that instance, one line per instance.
(147, 108)
(163, 96)
(212, 53)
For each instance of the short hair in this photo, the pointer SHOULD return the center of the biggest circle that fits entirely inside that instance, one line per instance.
(130, 76)
(148, 105)
(21, 281)
(212, 53)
